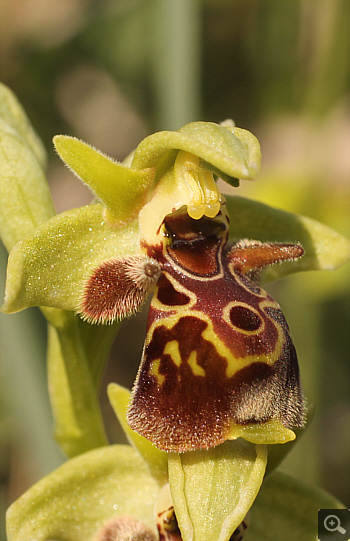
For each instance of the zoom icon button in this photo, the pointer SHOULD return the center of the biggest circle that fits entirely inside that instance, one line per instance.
(334, 525)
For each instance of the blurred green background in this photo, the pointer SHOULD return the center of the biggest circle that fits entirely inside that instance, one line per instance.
(113, 71)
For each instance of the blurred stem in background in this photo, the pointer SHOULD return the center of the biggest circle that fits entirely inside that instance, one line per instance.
(325, 52)
(175, 32)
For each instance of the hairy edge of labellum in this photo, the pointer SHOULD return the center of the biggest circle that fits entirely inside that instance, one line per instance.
(118, 288)
(125, 528)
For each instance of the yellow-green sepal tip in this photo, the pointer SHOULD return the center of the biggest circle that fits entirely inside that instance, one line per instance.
(121, 189)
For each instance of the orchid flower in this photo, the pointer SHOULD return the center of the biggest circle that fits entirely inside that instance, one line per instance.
(218, 384)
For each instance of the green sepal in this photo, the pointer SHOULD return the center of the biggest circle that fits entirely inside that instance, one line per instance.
(74, 501)
(325, 249)
(213, 489)
(286, 508)
(121, 189)
(156, 459)
(232, 151)
(50, 267)
(25, 200)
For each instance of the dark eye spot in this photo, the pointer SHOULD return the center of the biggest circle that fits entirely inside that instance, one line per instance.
(168, 295)
(244, 319)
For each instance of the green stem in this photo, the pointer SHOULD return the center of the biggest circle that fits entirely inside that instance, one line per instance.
(79, 425)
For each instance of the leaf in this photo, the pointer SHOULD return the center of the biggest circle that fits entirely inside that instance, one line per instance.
(25, 200)
(325, 249)
(286, 508)
(121, 189)
(73, 502)
(156, 459)
(50, 266)
(233, 151)
(213, 489)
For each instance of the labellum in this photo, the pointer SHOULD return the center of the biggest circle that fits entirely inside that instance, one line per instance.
(218, 360)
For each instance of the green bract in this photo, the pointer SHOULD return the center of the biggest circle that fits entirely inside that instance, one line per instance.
(213, 489)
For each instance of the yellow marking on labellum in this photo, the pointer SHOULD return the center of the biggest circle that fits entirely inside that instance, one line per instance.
(154, 371)
(233, 363)
(250, 310)
(172, 349)
(269, 359)
(268, 303)
(270, 432)
(196, 369)
(262, 293)
(203, 192)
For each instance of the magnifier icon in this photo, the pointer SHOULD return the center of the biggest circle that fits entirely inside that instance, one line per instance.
(332, 524)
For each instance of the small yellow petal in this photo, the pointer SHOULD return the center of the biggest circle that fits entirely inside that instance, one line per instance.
(271, 432)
